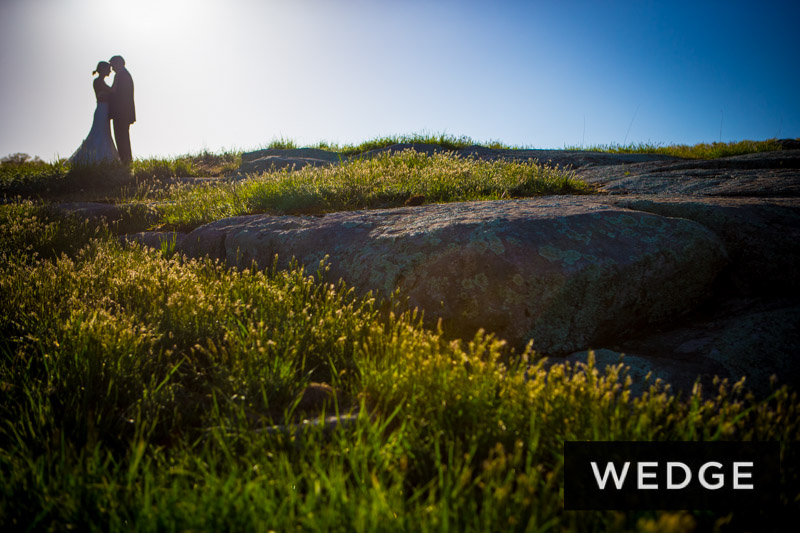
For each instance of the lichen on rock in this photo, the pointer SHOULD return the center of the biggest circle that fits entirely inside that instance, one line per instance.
(563, 272)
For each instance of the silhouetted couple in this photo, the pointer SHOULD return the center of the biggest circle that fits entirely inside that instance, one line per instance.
(113, 103)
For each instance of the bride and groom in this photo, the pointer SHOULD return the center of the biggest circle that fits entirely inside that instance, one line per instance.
(115, 103)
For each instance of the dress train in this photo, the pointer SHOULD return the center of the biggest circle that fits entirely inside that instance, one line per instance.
(98, 147)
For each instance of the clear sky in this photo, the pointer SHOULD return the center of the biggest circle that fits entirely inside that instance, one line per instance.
(236, 74)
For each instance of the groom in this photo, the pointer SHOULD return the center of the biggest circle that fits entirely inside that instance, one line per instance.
(121, 110)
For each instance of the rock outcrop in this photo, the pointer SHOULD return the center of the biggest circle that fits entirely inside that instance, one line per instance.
(626, 272)
(563, 272)
(770, 175)
(761, 235)
(757, 340)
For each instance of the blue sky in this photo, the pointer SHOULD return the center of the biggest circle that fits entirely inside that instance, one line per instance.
(237, 74)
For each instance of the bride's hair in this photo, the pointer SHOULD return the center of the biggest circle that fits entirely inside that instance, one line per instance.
(100, 65)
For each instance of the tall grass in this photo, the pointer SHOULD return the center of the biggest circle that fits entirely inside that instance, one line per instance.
(443, 140)
(448, 142)
(19, 175)
(31, 231)
(697, 151)
(387, 180)
(452, 142)
(27, 175)
(282, 143)
(38, 178)
(144, 391)
(191, 165)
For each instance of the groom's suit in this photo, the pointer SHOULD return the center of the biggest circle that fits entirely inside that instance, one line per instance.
(122, 112)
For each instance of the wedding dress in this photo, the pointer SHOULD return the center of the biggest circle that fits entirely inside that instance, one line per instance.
(98, 147)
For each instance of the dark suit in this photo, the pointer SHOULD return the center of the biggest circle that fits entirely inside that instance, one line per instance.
(122, 112)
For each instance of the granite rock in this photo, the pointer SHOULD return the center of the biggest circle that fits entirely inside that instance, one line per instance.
(565, 272)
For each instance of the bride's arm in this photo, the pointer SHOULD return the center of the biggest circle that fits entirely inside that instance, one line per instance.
(111, 89)
(102, 90)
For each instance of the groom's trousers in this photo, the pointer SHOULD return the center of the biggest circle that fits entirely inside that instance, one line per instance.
(123, 139)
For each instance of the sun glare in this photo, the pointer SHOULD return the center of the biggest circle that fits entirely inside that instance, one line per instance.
(149, 15)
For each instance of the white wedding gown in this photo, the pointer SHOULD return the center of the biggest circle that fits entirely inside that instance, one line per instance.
(98, 146)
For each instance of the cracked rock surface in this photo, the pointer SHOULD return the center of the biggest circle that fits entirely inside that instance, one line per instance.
(687, 267)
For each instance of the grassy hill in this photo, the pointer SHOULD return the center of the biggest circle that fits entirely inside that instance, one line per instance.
(145, 391)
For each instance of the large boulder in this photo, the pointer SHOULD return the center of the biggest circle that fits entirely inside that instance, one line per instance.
(680, 372)
(760, 344)
(565, 272)
(771, 174)
(756, 340)
(761, 235)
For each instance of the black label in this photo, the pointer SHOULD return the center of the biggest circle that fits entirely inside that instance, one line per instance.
(671, 475)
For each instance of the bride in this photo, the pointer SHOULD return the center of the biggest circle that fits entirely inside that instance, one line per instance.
(98, 146)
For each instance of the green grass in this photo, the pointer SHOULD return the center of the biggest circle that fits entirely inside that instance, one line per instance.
(38, 178)
(28, 175)
(21, 175)
(140, 389)
(387, 180)
(697, 151)
(282, 143)
(31, 231)
(444, 140)
(451, 142)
